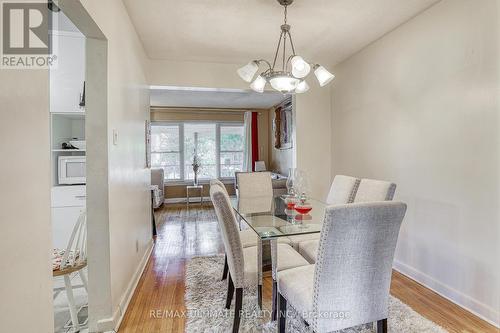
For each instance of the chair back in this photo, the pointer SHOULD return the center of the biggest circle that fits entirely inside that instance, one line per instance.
(157, 178)
(354, 264)
(254, 184)
(343, 190)
(217, 182)
(76, 251)
(230, 234)
(374, 190)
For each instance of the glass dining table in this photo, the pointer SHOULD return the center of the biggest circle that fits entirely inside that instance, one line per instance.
(271, 219)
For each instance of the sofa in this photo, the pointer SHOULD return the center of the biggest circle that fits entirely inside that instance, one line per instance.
(158, 186)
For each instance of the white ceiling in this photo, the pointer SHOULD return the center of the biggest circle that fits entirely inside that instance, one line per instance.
(213, 98)
(235, 31)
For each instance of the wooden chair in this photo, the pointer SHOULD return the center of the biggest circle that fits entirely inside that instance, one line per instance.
(73, 260)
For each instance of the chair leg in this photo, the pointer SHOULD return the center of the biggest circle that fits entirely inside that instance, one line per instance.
(230, 291)
(226, 268)
(237, 309)
(274, 311)
(281, 314)
(259, 296)
(382, 326)
(84, 280)
(71, 302)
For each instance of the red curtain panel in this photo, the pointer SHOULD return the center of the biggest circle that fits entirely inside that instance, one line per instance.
(255, 139)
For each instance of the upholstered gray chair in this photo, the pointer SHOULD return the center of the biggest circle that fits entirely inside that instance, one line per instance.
(342, 191)
(366, 190)
(242, 262)
(349, 285)
(248, 237)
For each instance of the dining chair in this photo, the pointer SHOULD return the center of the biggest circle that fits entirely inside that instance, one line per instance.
(247, 236)
(243, 262)
(374, 190)
(253, 186)
(349, 284)
(73, 259)
(342, 191)
(366, 190)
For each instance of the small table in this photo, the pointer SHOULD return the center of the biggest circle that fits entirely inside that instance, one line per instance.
(194, 187)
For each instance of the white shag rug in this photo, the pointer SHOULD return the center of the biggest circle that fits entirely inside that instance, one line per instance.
(206, 296)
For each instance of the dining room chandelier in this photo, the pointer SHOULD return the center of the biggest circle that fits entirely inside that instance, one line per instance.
(290, 78)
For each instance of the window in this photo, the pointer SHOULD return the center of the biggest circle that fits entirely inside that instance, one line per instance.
(220, 148)
(200, 137)
(231, 150)
(165, 150)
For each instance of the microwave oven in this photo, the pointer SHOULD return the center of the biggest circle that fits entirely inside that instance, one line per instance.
(71, 170)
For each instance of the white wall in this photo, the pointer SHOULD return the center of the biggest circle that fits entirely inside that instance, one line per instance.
(313, 132)
(420, 107)
(25, 236)
(128, 108)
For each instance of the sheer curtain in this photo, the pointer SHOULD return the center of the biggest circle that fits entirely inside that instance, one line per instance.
(247, 132)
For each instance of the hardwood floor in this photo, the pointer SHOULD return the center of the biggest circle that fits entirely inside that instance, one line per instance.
(184, 233)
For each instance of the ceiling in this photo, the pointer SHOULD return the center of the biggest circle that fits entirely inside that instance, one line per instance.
(236, 31)
(213, 98)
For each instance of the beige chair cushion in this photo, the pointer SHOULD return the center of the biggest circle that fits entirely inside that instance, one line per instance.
(296, 240)
(287, 258)
(297, 286)
(248, 238)
(309, 250)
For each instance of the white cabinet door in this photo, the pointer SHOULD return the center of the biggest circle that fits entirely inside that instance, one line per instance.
(63, 222)
(68, 73)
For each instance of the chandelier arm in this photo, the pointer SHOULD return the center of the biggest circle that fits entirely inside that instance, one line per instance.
(264, 61)
(277, 50)
(291, 43)
(284, 52)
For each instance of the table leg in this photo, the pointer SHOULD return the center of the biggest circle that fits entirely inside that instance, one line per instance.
(260, 267)
(201, 197)
(187, 198)
(274, 271)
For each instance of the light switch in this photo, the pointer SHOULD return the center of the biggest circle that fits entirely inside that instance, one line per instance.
(115, 137)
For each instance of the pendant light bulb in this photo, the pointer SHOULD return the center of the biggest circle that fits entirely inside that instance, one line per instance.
(258, 84)
(300, 68)
(248, 71)
(302, 87)
(324, 77)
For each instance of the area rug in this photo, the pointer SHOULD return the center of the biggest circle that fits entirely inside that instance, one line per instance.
(205, 312)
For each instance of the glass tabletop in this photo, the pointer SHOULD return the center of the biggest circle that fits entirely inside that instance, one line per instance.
(270, 217)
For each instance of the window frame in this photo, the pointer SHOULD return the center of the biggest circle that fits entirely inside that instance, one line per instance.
(180, 130)
(181, 124)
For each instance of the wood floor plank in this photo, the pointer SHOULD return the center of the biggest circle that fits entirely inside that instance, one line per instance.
(185, 233)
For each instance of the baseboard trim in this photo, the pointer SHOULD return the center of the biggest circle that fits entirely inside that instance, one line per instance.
(193, 200)
(125, 300)
(470, 304)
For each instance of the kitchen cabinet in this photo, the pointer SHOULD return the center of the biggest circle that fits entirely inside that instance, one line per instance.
(68, 202)
(67, 75)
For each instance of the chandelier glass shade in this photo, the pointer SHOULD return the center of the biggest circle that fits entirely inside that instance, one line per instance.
(290, 78)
